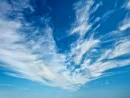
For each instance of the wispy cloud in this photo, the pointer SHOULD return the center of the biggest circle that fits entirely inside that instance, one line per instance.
(83, 12)
(83, 48)
(35, 56)
(125, 24)
(127, 4)
(121, 48)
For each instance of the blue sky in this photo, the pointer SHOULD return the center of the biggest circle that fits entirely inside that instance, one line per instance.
(65, 48)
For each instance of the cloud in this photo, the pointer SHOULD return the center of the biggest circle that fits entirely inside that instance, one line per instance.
(128, 4)
(108, 14)
(18, 56)
(83, 48)
(83, 10)
(121, 48)
(33, 54)
(125, 24)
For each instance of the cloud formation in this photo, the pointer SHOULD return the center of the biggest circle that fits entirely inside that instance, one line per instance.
(33, 54)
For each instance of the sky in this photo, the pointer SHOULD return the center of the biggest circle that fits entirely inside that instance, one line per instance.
(64, 48)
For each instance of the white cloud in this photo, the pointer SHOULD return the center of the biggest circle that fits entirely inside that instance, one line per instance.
(39, 60)
(128, 4)
(105, 55)
(22, 60)
(121, 48)
(83, 11)
(18, 56)
(125, 24)
(83, 48)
